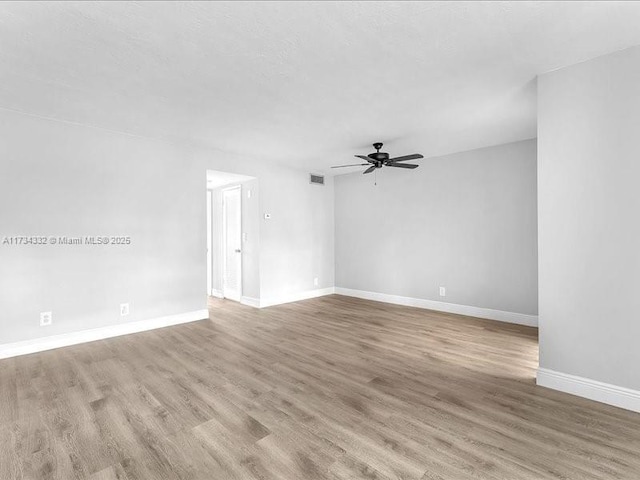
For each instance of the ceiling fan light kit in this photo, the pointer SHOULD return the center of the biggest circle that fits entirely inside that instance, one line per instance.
(380, 159)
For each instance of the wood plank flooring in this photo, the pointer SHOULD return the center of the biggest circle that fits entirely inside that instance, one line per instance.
(330, 388)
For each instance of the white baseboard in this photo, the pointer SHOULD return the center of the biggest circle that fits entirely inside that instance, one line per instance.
(251, 302)
(217, 293)
(66, 339)
(592, 389)
(502, 316)
(294, 297)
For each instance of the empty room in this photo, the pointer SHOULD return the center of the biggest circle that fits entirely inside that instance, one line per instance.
(319, 240)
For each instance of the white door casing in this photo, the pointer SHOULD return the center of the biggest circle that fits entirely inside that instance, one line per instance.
(209, 245)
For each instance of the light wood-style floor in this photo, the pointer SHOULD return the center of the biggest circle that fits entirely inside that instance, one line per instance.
(330, 388)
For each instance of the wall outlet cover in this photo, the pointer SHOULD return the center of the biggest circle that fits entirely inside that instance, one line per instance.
(46, 319)
(443, 292)
(124, 309)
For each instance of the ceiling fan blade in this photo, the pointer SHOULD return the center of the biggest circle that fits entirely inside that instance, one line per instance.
(402, 165)
(404, 158)
(370, 169)
(352, 165)
(365, 158)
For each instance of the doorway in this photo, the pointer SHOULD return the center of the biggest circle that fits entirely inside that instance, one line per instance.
(233, 237)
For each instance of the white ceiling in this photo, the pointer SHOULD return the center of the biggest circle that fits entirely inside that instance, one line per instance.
(305, 83)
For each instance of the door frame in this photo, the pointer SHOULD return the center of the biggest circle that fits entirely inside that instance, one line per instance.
(209, 242)
(224, 241)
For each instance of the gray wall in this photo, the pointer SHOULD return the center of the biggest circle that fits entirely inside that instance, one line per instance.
(59, 178)
(589, 219)
(465, 221)
(298, 241)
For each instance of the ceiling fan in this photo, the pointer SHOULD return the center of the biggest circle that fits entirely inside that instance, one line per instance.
(381, 159)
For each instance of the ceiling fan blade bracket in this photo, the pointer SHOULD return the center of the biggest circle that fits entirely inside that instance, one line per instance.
(365, 158)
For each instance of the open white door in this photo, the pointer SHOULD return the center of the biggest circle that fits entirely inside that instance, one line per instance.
(232, 239)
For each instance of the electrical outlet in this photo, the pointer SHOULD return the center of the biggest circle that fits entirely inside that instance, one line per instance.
(46, 319)
(316, 282)
(267, 216)
(124, 309)
(443, 292)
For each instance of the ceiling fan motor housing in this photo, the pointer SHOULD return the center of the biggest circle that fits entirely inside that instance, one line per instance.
(379, 156)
